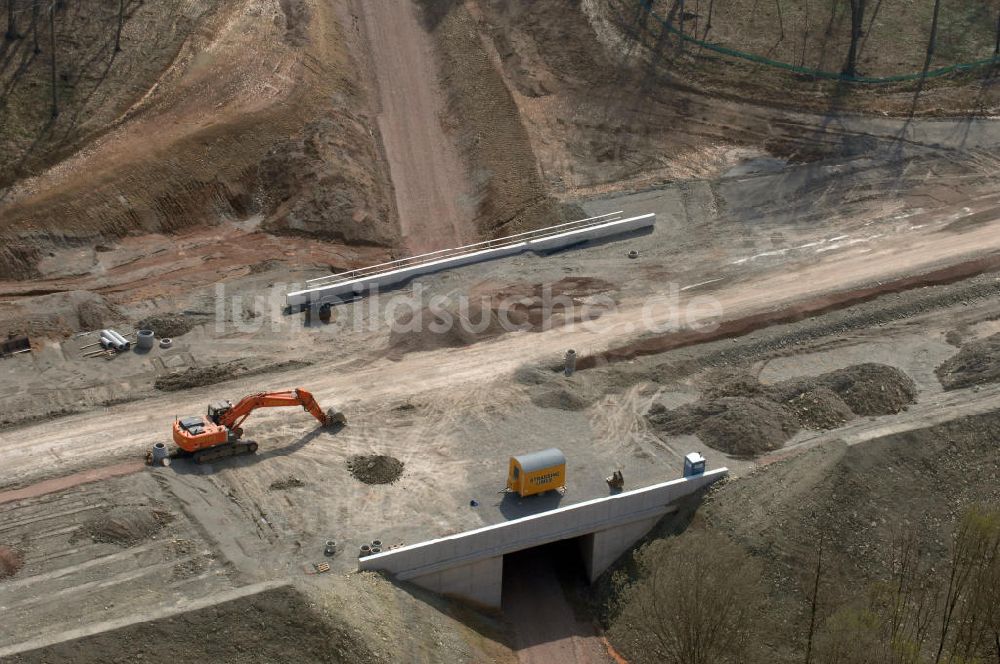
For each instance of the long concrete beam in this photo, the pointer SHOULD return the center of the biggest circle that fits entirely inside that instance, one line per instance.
(539, 242)
(470, 564)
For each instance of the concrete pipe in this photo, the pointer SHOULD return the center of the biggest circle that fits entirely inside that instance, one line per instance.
(160, 454)
(111, 340)
(570, 362)
(330, 548)
(122, 342)
(166, 342)
(633, 254)
(144, 339)
(365, 551)
(376, 543)
(376, 549)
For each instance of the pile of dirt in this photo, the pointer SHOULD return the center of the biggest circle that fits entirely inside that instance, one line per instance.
(819, 409)
(277, 625)
(730, 382)
(739, 426)
(57, 314)
(11, 562)
(166, 325)
(738, 415)
(125, 526)
(976, 363)
(872, 389)
(375, 469)
(560, 398)
(290, 482)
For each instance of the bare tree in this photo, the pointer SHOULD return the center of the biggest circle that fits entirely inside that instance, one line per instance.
(814, 600)
(11, 33)
(121, 22)
(932, 39)
(698, 601)
(996, 48)
(34, 27)
(52, 59)
(857, 21)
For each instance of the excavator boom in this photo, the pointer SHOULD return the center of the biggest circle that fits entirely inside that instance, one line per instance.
(217, 435)
(235, 416)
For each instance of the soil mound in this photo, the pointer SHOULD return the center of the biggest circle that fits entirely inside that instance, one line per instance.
(976, 363)
(738, 415)
(559, 398)
(730, 382)
(871, 389)
(125, 526)
(11, 562)
(820, 408)
(287, 483)
(166, 325)
(740, 426)
(867, 389)
(375, 469)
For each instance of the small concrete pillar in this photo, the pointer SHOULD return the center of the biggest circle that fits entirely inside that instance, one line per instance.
(144, 339)
(160, 455)
(570, 362)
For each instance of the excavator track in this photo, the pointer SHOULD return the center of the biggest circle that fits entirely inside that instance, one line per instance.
(223, 451)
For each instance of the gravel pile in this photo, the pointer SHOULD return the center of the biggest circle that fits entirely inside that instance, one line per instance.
(976, 363)
(375, 469)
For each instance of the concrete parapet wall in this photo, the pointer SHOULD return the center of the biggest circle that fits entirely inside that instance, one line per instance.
(425, 562)
(542, 242)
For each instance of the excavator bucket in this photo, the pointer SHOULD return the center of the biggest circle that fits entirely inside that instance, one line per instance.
(334, 417)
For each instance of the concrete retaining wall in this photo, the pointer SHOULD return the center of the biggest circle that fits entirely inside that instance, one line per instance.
(543, 243)
(451, 565)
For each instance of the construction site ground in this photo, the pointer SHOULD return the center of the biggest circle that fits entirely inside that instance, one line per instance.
(808, 242)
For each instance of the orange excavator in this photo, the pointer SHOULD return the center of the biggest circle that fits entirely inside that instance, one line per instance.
(218, 434)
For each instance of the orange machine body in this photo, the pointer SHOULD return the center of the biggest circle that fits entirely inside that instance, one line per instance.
(222, 423)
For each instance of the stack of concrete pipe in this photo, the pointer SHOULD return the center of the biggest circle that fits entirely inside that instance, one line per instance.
(111, 339)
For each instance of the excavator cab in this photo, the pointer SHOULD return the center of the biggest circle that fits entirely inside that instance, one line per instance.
(218, 409)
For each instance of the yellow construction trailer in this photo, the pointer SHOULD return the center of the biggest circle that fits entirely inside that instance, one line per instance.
(536, 472)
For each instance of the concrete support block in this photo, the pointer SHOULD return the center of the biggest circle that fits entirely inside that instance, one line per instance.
(480, 582)
(599, 550)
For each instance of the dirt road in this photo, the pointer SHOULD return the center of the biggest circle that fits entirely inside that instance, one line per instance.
(432, 193)
(33, 452)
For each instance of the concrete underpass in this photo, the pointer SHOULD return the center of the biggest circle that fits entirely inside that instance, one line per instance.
(593, 534)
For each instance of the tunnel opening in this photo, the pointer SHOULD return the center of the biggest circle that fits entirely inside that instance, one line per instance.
(544, 599)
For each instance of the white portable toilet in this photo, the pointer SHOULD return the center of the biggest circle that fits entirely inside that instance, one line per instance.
(694, 464)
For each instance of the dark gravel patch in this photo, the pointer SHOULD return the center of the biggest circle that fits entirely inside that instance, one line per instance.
(375, 469)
